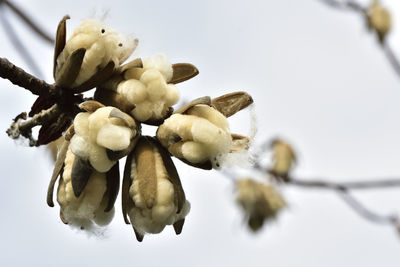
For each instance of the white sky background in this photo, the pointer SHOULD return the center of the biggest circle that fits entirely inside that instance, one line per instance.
(317, 78)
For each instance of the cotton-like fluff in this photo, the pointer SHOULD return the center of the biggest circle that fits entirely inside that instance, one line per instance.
(260, 202)
(283, 158)
(103, 45)
(379, 19)
(90, 206)
(199, 136)
(153, 196)
(101, 135)
(148, 89)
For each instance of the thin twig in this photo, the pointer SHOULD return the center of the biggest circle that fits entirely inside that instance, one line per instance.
(367, 184)
(18, 44)
(366, 213)
(349, 4)
(24, 128)
(394, 61)
(18, 11)
(343, 189)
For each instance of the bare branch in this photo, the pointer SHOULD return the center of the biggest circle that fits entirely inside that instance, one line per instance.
(23, 79)
(24, 128)
(28, 21)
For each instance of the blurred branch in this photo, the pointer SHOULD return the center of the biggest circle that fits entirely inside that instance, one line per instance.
(349, 5)
(18, 44)
(343, 189)
(354, 6)
(28, 21)
(391, 57)
(370, 184)
(365, 212)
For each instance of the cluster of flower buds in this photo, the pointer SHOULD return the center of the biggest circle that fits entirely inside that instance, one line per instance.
(142, 91)
(260, 202)
(379, 19)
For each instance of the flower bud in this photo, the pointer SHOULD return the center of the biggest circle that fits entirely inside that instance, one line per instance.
(152, 194)
(283, 158)
(90, 55)
(95, 204)
(199, 135)
(260, 202)
(379, 19)
(103, 136)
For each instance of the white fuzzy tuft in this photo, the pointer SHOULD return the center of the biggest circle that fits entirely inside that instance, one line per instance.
(244, 157)
(161, 63)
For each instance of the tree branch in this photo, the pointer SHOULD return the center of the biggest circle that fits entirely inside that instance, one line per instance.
(24, 128)
(23, 79)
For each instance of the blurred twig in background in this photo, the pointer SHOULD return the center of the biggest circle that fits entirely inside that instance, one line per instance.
(13, 36)
(28, 21)
(365, 13)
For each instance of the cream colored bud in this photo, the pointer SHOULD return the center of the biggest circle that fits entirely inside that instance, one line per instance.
(147, 89)
(199, 137)
(152, 194)
(93, 203)
(260, 202)
(100, 46)
(104, 136)
(283, 158)
(379, 19)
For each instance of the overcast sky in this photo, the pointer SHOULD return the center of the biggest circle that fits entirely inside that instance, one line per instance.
(318, 79)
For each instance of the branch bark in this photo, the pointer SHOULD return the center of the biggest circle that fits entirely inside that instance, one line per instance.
(23, 79)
